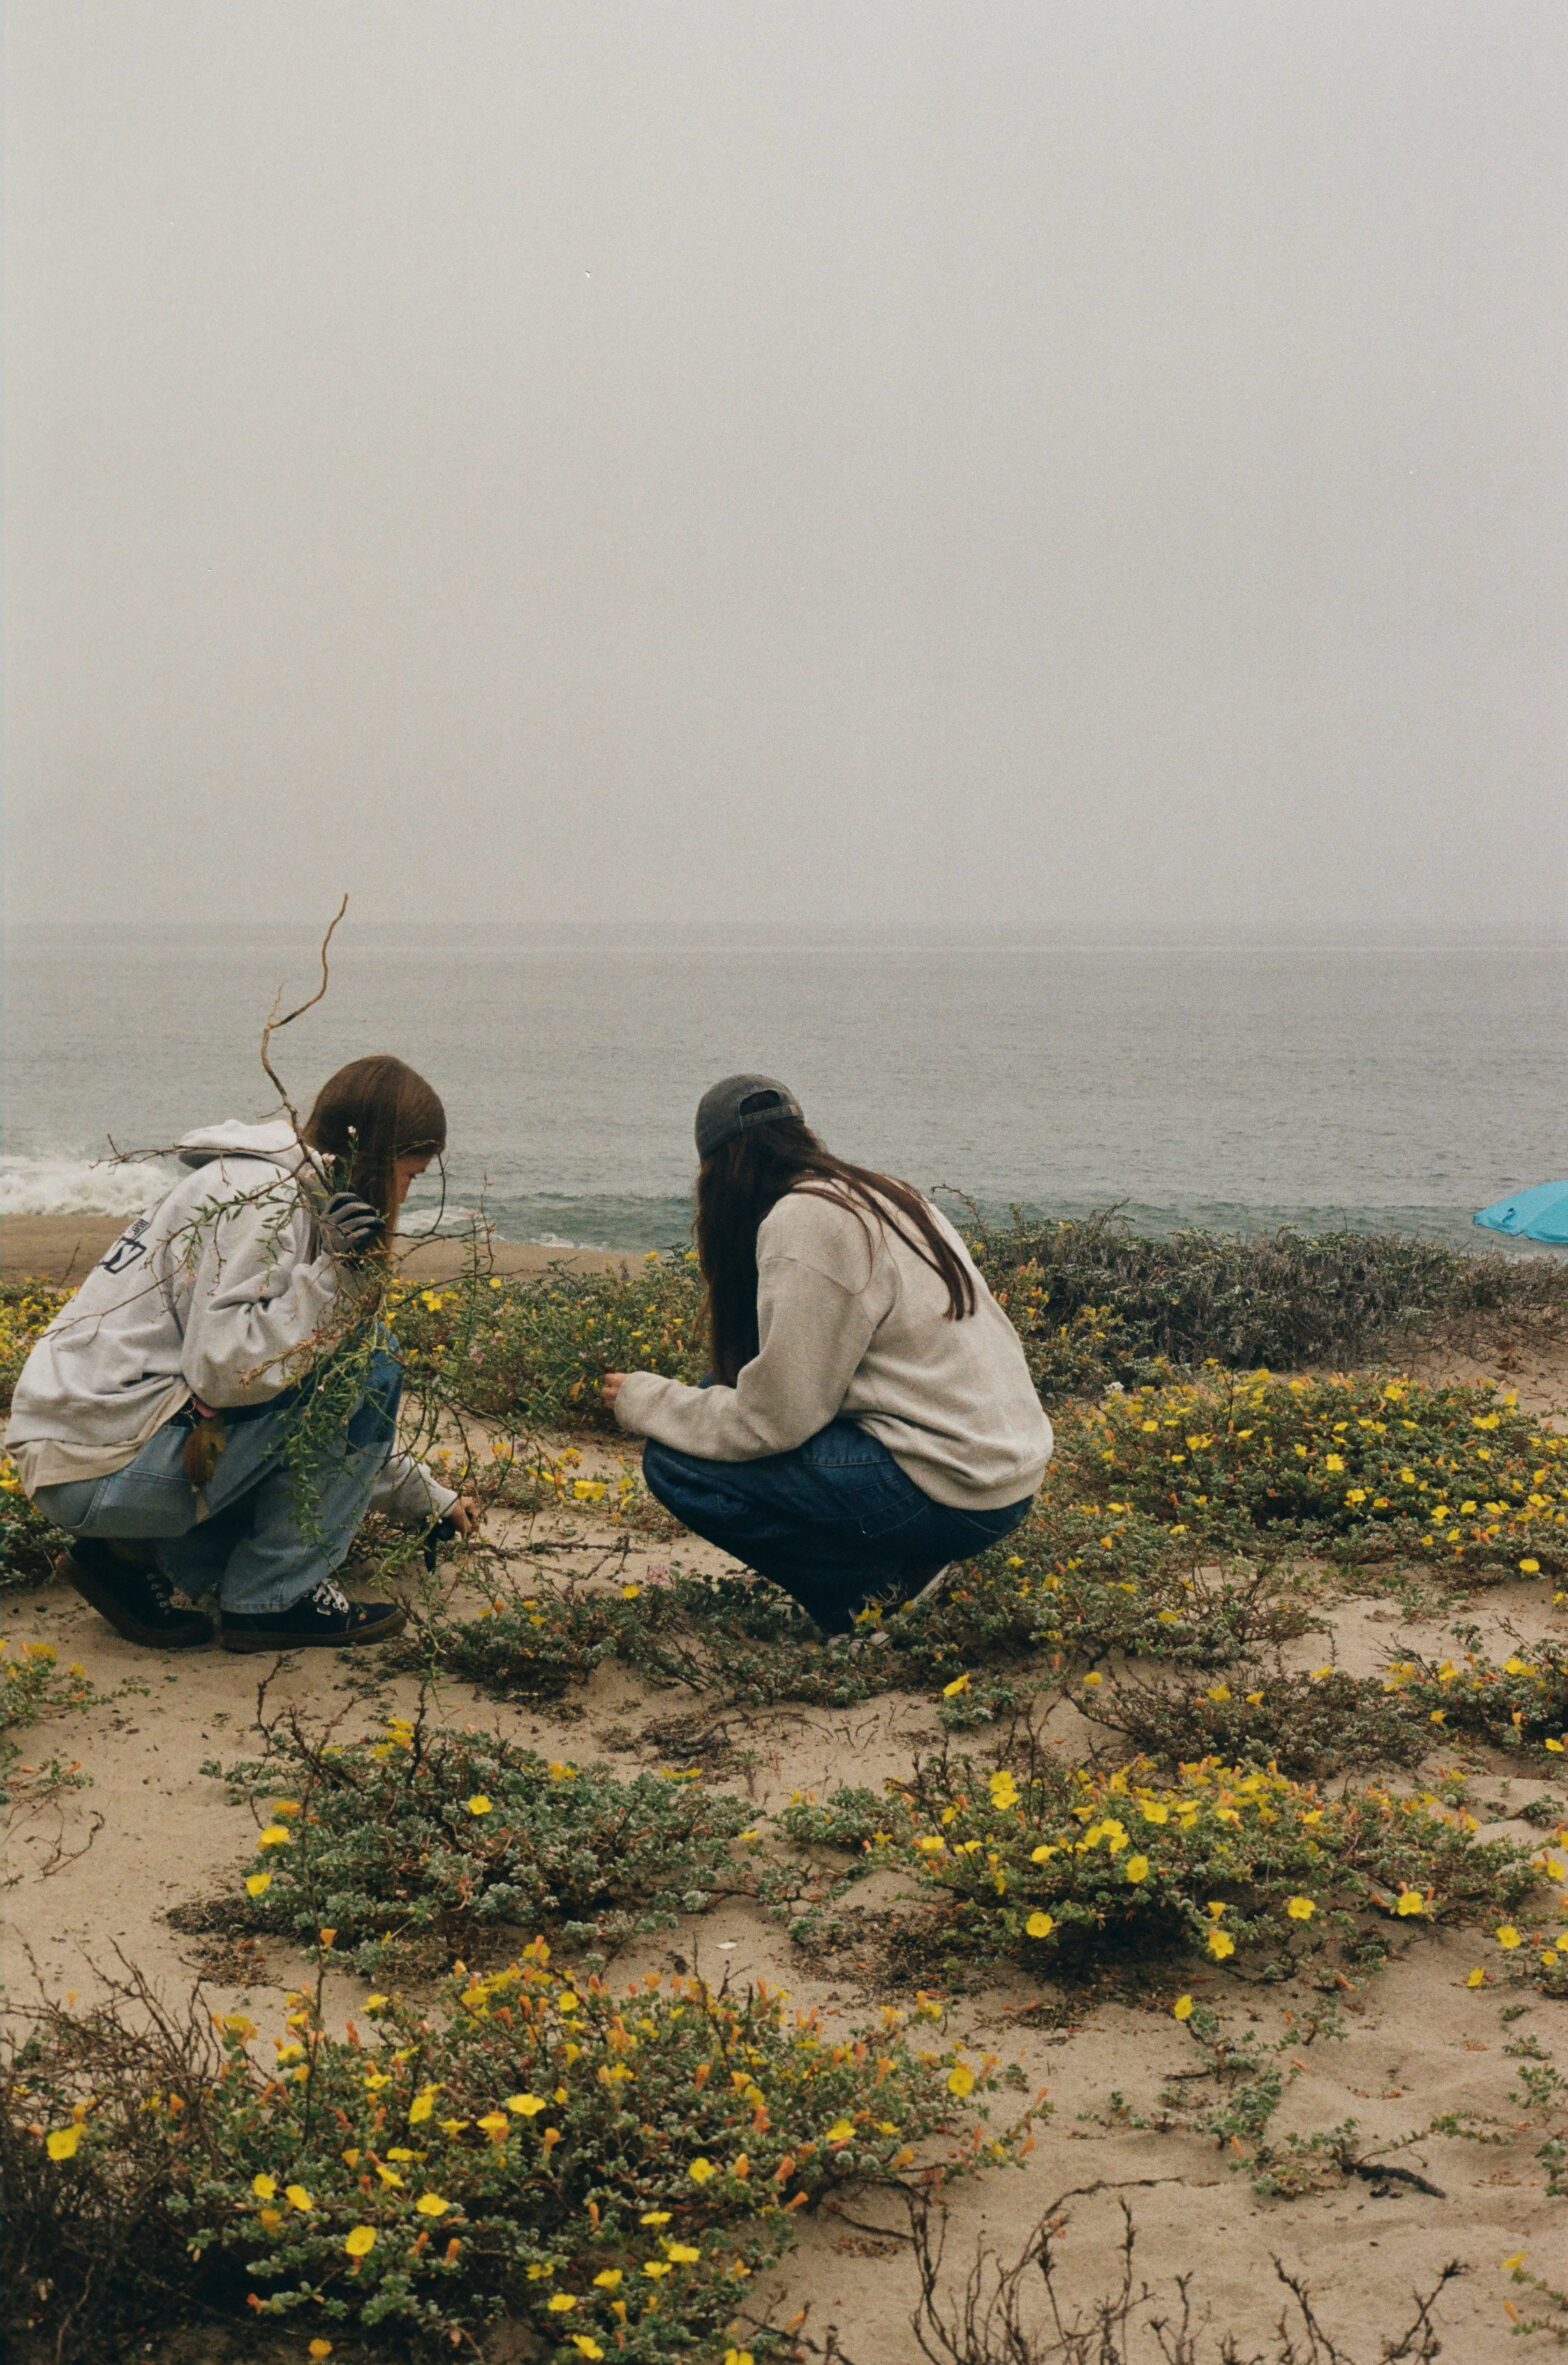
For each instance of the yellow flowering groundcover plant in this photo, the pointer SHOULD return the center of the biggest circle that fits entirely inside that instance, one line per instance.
(1078, 1580)
(27, 1543)
(1093, 1302)
(714, 1633)
(1325, 1720)
(535, 1350)
(26, 1309)
(422, 1843)
(1520, 1702)
(1315, 1724)
(33, 1685)
(606, 2170)
(1071, 1867)
(1362, 1463)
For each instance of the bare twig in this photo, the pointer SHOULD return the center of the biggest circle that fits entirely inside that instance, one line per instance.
(275, 1024)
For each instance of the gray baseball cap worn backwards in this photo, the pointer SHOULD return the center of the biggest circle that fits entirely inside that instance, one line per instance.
(736, 1104)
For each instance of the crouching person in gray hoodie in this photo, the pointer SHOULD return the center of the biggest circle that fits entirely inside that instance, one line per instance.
(216, 1407)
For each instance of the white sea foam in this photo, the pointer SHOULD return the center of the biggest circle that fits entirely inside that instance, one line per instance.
(79, 1186)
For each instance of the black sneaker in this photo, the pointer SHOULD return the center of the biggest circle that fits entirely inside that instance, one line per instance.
(875, 1637)
(325, 1619)
(135, 1597)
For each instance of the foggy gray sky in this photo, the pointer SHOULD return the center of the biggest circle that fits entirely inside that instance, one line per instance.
(1093, 464)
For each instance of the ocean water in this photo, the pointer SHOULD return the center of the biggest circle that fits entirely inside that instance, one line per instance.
(1199, 1081)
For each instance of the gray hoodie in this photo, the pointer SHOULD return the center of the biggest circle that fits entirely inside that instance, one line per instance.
(222, 1291)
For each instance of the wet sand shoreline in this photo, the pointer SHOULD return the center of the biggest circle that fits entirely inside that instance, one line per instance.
(62, 1249)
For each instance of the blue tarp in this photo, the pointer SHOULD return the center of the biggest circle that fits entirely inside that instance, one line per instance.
(1540, 1213)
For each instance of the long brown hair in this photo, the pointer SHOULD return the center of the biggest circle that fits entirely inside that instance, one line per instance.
(366, 1117)
(744, 1179)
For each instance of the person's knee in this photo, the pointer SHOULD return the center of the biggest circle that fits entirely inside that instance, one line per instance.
(693, 1493)
(661, 1474)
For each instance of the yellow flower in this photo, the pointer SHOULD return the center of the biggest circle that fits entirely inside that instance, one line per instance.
(841, 2131)
(298, 2198)
(585, 2345)
(1532, 1568)
(608, 2279)
(432, 2205)
(258, 1883)
(526, 2105)
(1409, 1901)
(1476, 1978)
(62, 2141)
(478, 1804)
(1039, 1925)
(681, 2253)
(960, 2079)
(701, 2170)
(657, 2267)
(265, 2188)
(494, 2122)
(319, 2349)
(960, 1683)
(739, 2357)
(422, 2105)
(360, 2240)
(1137, 1868)
(560, 2303)
(1300, 1909)
(654, 2217)
(1221, 1945)
(275, 1836)
(1182, 2007)
(1507, 1936)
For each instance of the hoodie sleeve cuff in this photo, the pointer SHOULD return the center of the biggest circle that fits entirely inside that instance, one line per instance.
(634, 1406)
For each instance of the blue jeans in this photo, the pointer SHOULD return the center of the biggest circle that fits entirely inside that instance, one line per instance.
(242, 1533)
(836, 1521)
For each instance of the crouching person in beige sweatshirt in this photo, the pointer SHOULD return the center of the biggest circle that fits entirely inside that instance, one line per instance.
(870, 1420)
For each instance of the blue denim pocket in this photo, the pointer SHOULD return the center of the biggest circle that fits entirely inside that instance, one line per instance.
(994, 1525)
(71, 1504)
(885, 1499)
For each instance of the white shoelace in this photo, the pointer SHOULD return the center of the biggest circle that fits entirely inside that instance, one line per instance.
(330, 1598)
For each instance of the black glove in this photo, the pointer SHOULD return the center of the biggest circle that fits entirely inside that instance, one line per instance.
(444, 1532)
(350, 1225)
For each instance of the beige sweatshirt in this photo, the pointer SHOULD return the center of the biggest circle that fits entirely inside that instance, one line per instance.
(852, 1322)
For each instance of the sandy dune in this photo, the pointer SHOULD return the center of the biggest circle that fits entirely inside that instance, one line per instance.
(99, 1872)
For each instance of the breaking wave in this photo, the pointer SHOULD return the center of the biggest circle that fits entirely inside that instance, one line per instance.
(79, 1186)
